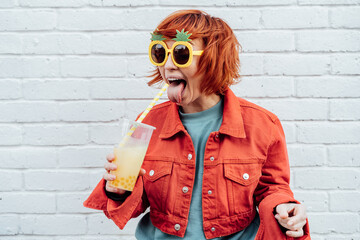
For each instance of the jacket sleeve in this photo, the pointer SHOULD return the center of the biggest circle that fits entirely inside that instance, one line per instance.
(119, 212)
(273, 188)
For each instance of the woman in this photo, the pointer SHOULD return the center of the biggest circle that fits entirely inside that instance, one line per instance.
(214, 158)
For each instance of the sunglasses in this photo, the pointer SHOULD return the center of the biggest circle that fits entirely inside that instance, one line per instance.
(181, 53)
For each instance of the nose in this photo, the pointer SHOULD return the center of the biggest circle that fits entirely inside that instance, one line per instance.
(169, 64)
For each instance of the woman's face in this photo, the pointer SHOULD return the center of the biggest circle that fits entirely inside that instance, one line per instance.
(184, 84)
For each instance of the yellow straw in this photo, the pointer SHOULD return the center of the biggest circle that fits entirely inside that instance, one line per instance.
(143, 115)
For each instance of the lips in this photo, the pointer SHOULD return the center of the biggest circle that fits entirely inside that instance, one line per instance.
(176, 89)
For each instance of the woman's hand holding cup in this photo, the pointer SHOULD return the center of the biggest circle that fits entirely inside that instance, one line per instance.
(109, 166)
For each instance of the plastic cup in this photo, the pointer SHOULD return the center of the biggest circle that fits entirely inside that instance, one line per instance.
(129, 155)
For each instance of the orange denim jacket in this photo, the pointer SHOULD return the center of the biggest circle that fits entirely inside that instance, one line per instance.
(245, 166)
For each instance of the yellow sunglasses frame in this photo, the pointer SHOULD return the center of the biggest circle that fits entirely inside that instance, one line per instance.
(187, 44)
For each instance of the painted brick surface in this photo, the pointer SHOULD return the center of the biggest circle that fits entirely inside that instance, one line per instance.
(70, 69)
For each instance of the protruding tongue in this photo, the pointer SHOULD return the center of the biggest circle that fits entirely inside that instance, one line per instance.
(174, 91)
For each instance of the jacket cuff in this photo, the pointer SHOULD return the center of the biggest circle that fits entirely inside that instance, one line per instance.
(122, 212)
(269, 226)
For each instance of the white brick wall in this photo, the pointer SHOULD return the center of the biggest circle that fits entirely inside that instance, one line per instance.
(70, 69)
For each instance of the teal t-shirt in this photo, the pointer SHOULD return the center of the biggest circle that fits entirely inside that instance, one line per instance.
(199, 126)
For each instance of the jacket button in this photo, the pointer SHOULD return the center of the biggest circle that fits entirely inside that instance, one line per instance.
(217, 135)
(209, 192)
(189, 156)
(245, 176)
(213, 229)
(185, 189)
(151, 173)
(212, 158)
(177, 227)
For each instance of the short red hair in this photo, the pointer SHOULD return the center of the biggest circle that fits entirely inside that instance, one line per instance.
(220, 60)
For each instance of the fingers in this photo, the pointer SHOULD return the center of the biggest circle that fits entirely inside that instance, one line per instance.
(114, 190)
(296, 233)
(110, 157)
(283, 210)
(142, 172)
(110, 166)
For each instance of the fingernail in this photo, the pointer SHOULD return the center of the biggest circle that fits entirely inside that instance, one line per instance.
(290, 223)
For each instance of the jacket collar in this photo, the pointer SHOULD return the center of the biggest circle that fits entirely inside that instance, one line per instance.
(232, 124)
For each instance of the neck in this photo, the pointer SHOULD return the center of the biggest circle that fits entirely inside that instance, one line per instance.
(202, 104)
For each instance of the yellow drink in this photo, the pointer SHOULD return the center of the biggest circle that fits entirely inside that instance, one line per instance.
(128, 160)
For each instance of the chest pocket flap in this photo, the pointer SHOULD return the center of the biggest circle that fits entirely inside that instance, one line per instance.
(242, 173)
(156, 169)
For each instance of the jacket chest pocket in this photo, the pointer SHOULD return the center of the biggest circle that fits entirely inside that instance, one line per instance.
(241, 180)
(156, 182)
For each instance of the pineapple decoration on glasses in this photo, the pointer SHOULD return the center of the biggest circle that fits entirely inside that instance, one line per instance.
(181, 52)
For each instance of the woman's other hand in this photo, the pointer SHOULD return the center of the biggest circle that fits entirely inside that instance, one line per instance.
(291, 216)
(109, 166)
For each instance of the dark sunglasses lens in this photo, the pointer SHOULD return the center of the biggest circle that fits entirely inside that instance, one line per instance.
(181, 54)
(158, 53)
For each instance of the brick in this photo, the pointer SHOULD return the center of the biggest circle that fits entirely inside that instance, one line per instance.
(56, 44)
(327, 87)
(238, 18)
(45, 3)
(341, 201)
(258, 2)
(251, 64)
(345, 17)
(120, 43)
(193, 3)
(24, 20)
(328, 2)
(329, 222)
(10, 89)
(345, 109)
(123, 3)
(53, 224)
(266, 41)
(268, 86)
(313, 201)
(298, 109)
(9, 225)
(28, 202)
(28, 112)
(290, 131)
(8, 3)
(123, 89)
(61, 180)
(73, 203)
(28, 158)
(91, 111)
(10, 135)
(345, 64)
(83, 157)
(304, 17)
(324, 132)
(101, 19)
(296, 64)
(98, 224)
(344, 155)
(10, 44)
(302, 156)
(72, 89)
(10, 180)
(139, 66)
(29, 67)
(136, 107)
(57, 135)
(354, 236)
(93, 67)
(104, 134)
(326, 179)
(328, 41)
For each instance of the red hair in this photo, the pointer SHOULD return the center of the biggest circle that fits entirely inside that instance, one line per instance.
(220, 60)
